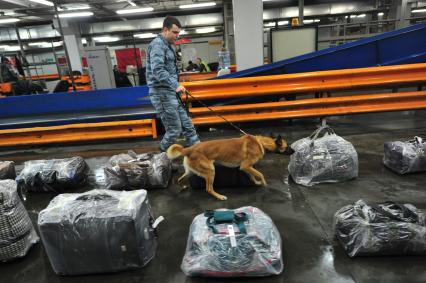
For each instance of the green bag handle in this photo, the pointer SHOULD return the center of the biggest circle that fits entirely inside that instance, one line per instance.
(215, 217)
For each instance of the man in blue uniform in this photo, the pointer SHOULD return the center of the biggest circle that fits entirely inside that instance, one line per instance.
(163, 82)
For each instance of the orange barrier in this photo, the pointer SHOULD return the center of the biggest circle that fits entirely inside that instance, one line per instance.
(316, 107)
(192, 77)
(82, 83)
(79, 132)
(80, 88)
(45, 77)
(5, 88)
(83, 79)
(308, 82)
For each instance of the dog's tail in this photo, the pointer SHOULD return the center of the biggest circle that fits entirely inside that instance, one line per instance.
(175, 151)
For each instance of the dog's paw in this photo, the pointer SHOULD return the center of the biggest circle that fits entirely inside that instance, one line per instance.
(258, 183)
(264, 184)
(220, 197)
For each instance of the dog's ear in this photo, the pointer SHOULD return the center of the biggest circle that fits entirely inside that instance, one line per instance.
(279, 140)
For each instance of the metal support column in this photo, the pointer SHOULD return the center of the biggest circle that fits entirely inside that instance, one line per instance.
(301, 7)
(23, 53)
(65, 47)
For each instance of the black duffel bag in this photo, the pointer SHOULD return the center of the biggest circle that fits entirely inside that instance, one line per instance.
(381, 229)
(7, 170)
(225, 177)
(55, 175)
(405, 157)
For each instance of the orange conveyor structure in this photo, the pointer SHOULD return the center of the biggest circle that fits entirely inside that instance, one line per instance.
(79, 132)
(308, 83)
(268, 88)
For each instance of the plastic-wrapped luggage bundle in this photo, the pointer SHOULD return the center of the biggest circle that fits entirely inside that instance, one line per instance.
(143, 171)
(17, 233)
(98, 231)
(406, 157)
(7, 170)
(233, 243)
(323, 157)
(381, 229)
(54, 175)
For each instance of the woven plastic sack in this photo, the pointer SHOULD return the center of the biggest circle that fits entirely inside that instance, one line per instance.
(17, 233)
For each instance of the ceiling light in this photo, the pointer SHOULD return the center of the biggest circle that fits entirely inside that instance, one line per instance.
(352, 16)
(145, 35)
(282, 23)
(317, 20)
(131, 3)
(71, 8)
(197, 5)
(380, 14)
(45, 44)
(106, 39)
(83, 41)
(75, 15)
(270, 24)
(44, 2)
(361, 16)
(205, 30)
(10, 20)
(134, 11)
(182, 32)
(308, 21)
(12, 48)
(10, 13)
(419, 11)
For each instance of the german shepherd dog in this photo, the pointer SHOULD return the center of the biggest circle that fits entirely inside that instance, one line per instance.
(241, 152)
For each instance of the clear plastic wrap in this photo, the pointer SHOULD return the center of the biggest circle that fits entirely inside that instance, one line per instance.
(324, 157)
(7, 170)
(381, 229)
(213, 251)
(98, 231)
(54, 175)
(405, 157)
(143, 171)
(17, 233)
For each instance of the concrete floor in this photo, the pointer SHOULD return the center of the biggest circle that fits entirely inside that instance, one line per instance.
(304, 216)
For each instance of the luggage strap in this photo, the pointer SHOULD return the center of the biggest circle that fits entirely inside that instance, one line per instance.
(320, 132)
(215, 217)
(409, 216)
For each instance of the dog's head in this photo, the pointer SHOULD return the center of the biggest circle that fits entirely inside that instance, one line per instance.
(282, 146)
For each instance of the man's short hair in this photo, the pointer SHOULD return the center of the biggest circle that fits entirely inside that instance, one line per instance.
(169, 21)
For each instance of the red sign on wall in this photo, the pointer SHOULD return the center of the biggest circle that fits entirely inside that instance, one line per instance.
(126, 57)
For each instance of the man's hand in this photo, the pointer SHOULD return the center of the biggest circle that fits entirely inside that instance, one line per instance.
(180, 89)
